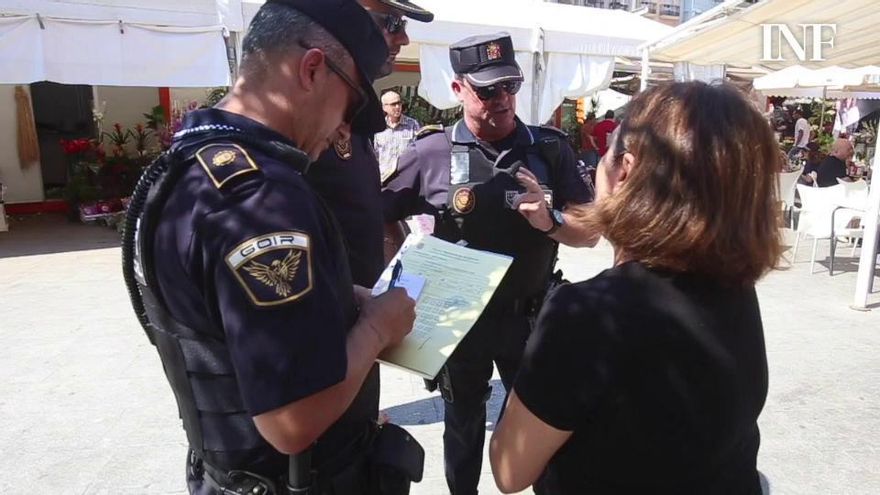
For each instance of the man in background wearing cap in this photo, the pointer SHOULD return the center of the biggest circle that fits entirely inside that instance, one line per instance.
(241, 278)
(347, 176)
(498, 185)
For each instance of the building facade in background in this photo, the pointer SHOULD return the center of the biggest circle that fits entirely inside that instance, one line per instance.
(671, 12)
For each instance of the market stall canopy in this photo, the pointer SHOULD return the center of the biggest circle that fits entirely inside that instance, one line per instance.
(131, 43)
(827, 82)
(733, 34)
(571, 50)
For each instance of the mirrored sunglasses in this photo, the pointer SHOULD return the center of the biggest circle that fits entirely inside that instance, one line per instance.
(486, 93)
(391, 23)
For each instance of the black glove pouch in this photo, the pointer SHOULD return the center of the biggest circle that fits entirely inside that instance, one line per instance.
(396, 449)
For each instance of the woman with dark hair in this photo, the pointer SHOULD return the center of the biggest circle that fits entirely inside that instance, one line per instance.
(649, 378)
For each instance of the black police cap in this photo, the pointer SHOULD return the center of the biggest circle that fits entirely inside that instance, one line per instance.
(356, 31)
(485, 60)
(409, 9)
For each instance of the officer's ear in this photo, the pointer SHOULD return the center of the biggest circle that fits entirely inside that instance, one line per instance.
(311, 67)
(457, 88)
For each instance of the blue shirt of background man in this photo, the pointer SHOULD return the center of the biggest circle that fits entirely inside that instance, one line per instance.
(281, 353)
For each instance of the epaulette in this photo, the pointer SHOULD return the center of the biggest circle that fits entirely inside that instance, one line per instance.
(554, 130)
(428, 130)
(223, 161)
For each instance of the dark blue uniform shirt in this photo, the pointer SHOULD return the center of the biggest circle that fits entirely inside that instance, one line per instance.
(245, 251)
(421, 182)
(351, 190)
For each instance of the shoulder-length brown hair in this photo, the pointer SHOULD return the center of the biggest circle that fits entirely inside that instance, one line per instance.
(701, 196)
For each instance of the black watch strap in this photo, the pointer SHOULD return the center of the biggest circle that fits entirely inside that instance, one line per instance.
(555, 218)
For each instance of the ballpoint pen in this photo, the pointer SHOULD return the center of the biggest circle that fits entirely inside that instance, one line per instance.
(396, 272)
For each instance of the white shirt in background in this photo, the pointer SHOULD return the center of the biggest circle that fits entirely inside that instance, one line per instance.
(802, 125)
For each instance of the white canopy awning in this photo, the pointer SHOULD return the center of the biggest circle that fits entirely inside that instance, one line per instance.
(828, 82)
(128, 44)
(565, 51)
(733, 34)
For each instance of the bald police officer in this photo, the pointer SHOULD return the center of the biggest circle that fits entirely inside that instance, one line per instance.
(502, 186)
(347, 176)
(241, 277)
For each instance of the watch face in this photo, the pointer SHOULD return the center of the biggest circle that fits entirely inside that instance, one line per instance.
(558, 219)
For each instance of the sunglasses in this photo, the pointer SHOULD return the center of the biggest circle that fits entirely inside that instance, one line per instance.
(360, 102)
(391, 23)
(486, 93)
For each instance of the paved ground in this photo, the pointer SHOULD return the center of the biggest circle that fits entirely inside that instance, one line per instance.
(85, 409)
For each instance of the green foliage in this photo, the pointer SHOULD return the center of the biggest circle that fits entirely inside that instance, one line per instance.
(419, 109)
(571, 125)
(215, 95)
(869, 130)
(825, 140)
(81, 187)
(817, 107)
(156, 118)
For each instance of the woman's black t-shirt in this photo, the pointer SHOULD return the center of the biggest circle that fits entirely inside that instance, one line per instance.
(660, 376)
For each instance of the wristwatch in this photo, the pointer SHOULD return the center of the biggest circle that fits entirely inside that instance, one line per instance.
(557, 218)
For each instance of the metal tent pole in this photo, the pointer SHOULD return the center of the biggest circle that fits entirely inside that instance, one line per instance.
(868, 259)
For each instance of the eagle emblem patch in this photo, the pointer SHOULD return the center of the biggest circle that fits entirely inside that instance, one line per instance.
(273, 269)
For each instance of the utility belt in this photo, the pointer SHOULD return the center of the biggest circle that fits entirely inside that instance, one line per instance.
(383, 461)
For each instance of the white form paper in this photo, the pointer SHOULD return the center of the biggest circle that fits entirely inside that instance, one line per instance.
(456, 284)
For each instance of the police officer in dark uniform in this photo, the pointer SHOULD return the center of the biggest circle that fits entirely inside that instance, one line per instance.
(347, 175)
(497, 185)
(239, 274)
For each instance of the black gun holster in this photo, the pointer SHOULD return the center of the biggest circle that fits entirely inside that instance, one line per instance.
(443, 383)
(387, 464)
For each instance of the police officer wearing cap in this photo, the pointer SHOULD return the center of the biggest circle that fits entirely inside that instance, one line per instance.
(497, 185)
(239, 275)
(347, 175)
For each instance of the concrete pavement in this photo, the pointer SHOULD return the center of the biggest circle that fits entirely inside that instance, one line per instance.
(85, 408)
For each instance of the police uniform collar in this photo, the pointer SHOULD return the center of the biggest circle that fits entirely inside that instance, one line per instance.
(462, 135)
(254, 135)
(214, 119)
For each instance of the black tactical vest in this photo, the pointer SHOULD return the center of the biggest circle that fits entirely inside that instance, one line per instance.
(479, 210)
(197, 362)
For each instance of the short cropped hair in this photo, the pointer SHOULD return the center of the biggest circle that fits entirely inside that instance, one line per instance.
(277, 29)
(701, 196)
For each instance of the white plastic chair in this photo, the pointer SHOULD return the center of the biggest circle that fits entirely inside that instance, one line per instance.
(787, 181)
(824, 216)
(855, 194)
(853, 204)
